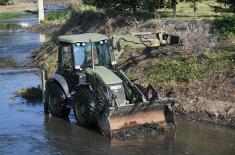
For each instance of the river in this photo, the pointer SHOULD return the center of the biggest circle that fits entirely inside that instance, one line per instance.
(26, 130)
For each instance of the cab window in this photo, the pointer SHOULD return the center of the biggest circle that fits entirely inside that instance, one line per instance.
(66, 57)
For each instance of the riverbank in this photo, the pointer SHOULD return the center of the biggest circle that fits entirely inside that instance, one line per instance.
(22, 17)
(19, 8)
(198, 71)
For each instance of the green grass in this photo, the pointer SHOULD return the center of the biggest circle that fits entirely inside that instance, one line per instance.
(64, 15)
(225, 24)
(57, 16)
(188, 69)
(8, 26)
(184, 10)
(203, 9)
(10, 15)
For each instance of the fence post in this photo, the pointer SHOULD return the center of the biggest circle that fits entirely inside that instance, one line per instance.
(44, 78)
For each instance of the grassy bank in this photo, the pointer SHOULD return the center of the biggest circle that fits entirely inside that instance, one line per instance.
(188, 69)
(57, 16)
(10, 15)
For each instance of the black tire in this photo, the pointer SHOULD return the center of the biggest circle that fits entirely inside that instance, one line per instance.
(86, 108)
(56, 101)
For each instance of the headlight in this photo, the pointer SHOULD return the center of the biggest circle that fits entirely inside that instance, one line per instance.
(115, 87)
(118, 92)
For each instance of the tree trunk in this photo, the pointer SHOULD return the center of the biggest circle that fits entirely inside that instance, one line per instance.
(194, 6)
(173, 5)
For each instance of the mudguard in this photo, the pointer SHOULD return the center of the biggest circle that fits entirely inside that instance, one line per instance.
(63, 83)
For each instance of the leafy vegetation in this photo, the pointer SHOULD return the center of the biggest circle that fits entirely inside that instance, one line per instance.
(151, 5)
(5, 2)
(224, 28)
(62, 15)
(8, 26)
(225, 24)
(179, 9)
(188, 69)
(228, 6)
(32, 94)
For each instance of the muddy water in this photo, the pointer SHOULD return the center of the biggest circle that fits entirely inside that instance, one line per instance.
(24, 129)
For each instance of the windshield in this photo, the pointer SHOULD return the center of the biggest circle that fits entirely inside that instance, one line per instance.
(83, 54)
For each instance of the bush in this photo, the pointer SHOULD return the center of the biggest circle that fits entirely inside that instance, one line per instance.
(225, 25)
(182, 70)
(33, 94)
(5, 2)
(57, 16)
(188, 69)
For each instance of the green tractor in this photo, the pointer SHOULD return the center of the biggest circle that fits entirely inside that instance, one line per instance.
(88, 82)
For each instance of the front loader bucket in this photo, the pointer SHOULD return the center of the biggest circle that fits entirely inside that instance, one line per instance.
(155, 112)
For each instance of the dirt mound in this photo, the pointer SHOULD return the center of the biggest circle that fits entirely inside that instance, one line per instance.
(211, 100)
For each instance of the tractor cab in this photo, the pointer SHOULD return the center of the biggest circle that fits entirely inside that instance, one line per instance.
(77, 52)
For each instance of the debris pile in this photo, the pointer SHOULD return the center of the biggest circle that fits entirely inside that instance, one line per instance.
(140, 131)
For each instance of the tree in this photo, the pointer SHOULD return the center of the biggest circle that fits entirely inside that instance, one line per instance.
(133, 5)
(173, 5)
(5, 2)
(229, 6)
(153, 5)
(194, 4)
(116, 4)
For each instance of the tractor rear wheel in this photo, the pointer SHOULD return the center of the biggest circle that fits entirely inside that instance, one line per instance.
(86, 108)
(57, 101)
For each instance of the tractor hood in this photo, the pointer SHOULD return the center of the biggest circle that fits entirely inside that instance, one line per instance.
(106, 75)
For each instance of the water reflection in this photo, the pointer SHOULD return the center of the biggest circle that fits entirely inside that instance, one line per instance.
(69, 138)
(20, 45)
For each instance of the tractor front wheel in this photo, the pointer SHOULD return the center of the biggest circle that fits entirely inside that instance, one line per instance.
(85, 108)
(57, 101)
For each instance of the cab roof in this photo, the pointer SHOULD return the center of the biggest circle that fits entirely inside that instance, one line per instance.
(85, 37)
